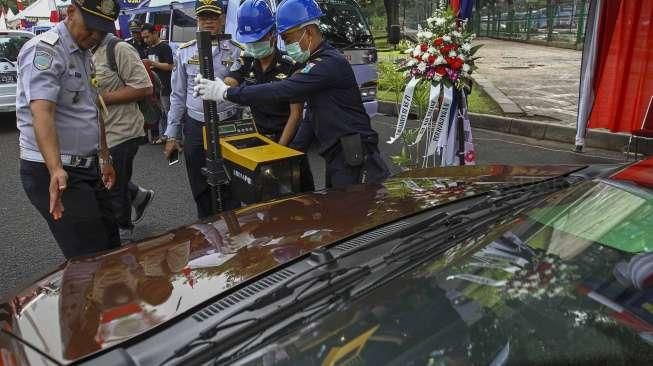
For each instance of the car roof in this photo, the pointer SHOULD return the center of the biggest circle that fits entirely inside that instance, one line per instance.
(16, 32)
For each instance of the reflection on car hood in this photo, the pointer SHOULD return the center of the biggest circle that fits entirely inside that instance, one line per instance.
(93, 303)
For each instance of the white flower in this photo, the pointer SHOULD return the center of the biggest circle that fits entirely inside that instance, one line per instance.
(417, 51)
(466, 47)
(427, 34)
(462, 57)
(440, 21)
(466, 67)
(440, 60)
(431, 50)
(452, 53)
(446, 38)
(412, 62)
(421, 67)
(425, 56)
(420, 34)
(456, 34)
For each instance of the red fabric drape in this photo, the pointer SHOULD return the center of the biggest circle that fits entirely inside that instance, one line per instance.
(624, 74)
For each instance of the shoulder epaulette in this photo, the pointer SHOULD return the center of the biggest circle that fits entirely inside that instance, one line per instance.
(50, 38)
(188, 44)
(238, 45)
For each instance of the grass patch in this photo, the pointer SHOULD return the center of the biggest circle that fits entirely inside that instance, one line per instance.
(479, 101)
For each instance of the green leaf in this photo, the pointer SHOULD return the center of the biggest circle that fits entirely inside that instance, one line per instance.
(474, 49)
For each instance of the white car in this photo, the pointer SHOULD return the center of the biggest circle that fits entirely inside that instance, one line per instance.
(10, 43)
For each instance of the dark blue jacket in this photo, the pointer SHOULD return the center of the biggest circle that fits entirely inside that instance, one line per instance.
(328, 85)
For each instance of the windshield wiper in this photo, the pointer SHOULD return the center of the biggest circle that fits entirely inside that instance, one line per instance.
(308, 294)
(7, 60)
(323, 289)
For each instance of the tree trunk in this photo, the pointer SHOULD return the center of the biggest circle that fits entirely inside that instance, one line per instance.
(392, 13)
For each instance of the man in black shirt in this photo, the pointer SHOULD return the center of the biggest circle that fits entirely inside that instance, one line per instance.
(160, 60)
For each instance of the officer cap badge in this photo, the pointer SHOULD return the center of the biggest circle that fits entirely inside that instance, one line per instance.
(107, 6)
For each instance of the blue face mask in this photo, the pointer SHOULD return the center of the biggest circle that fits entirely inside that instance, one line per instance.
(259, 50)
(296, 52)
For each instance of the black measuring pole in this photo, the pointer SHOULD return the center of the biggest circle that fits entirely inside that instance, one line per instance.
(461, 129)
(214, 171)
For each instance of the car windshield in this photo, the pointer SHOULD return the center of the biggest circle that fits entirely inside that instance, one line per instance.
(10, 46)
(344, 24)
(569, 282)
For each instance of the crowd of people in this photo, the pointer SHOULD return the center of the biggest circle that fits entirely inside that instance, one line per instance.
(87, 100)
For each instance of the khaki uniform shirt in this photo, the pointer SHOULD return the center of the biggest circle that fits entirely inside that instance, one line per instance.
(125, 121)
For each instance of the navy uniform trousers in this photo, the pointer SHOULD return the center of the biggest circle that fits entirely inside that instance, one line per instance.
(195, 158)
(88, 223)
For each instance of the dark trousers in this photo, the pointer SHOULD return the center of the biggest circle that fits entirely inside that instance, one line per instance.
(339, 174)
(88, 224)
(195, 158)
(123, 191)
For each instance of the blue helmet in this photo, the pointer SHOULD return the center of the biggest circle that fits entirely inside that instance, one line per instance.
(292, 13)
(255, 19)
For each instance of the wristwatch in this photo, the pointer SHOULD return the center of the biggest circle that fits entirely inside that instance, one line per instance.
(107, 161)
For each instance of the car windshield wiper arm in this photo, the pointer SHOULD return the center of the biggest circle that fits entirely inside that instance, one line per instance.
(8, 60)
(323, 288)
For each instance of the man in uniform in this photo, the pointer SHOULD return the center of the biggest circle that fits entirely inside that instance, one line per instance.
(336, 115)
(65, 162)
(136, 40)
(187, 111)
(263, 63)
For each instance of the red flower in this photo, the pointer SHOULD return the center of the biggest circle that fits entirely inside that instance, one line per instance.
(446, 49)
(440, 70)
(454, 62)
(424, 47)
(431, 59)
(438, 42)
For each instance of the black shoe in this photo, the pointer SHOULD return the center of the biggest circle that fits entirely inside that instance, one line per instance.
(139, 209)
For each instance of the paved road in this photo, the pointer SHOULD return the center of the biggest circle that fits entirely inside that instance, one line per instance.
(28, 250)
(542, 81)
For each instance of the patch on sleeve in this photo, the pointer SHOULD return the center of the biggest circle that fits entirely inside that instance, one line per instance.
(42, 59)
(307, 68)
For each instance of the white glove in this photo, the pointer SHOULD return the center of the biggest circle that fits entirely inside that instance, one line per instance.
(210, 89)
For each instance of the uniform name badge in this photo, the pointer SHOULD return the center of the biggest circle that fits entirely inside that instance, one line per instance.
(194, 60)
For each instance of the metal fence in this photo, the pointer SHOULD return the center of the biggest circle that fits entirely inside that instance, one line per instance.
(561, 23)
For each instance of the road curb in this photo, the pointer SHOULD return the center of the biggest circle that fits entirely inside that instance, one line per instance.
(536, 129)
(500, 98)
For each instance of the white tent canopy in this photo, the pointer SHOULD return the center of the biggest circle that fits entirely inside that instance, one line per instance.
(38, 10)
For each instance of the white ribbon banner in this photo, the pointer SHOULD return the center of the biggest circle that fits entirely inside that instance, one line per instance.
(428, 117)
(442, 123)
(405, 109)
(478, 279)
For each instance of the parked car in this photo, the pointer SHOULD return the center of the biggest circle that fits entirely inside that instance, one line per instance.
(10, 43)
(448, 266)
